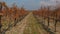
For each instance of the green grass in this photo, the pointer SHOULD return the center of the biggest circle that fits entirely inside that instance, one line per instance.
(33, 25)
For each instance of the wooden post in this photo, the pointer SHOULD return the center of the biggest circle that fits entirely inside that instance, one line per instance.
(14, 21)
(42, 17)
(55, 21)
(56, 17)
(48, 20)
(0, 16)
(15, 18)
(48, 17)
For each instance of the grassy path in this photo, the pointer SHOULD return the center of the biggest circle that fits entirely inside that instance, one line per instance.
(29, 25)
(33, 27)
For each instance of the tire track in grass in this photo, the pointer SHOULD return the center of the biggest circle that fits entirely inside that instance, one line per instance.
(28, 29)
(35, 29)
(39, 28)
(32, 20)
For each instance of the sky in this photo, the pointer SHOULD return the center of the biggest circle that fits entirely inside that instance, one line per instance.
(31, 4)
